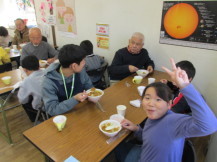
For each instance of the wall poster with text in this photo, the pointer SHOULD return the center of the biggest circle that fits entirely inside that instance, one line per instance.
(102, 42)
(189, 23)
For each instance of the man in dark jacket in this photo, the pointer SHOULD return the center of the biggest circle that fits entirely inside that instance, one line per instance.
(130, 59)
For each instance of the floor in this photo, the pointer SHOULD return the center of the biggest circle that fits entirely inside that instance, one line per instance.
(23, 151)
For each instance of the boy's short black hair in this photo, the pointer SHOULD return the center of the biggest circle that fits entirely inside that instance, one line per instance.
(162, 91)
(188, 67)
(87, 46)
(30, 63)
(3, 31)
(69, 54)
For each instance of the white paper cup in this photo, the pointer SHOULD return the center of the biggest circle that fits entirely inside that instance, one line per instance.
(22, 45)
(60, 121)
(151, 80)
(117, 117)
(15, 47)
(121, 110)
(140, 89)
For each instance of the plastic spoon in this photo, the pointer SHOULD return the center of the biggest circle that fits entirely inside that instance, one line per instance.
(110, 127)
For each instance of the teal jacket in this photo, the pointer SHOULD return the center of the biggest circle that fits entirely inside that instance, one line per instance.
(51, 90)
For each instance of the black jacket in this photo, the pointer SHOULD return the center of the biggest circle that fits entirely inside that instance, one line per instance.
(119, 68)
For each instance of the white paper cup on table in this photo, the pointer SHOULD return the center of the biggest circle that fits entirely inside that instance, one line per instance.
(117, 117)
(141, 89)
(60, 122)
(121, 110)
(15, 47)
(22, 45)
(151, 80)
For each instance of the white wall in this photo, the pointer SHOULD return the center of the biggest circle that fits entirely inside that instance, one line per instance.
(127, 16)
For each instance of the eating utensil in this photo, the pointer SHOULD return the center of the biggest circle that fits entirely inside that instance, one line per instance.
(120, 134)
(127, 84)
(110, 127)
(100, 106)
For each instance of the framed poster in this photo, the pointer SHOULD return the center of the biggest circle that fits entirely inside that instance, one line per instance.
(102, 42)
(102, 29)
(189, 23)
(65, 17)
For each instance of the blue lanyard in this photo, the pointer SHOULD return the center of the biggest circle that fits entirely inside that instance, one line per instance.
(72, 87)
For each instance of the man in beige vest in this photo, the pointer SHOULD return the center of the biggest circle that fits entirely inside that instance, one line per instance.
(21, 32)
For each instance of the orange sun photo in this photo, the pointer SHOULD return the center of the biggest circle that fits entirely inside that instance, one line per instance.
(181, 20)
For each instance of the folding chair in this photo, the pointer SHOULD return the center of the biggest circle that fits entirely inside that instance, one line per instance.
(44, 38)
(100, 72)
(189, 154)
(5, 67)
(41, 113)
(4, 106)
(33, 114)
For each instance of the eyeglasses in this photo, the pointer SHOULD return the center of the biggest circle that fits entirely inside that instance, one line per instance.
(35, 38)
(135, 43)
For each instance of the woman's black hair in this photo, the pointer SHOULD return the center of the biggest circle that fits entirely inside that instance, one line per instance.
(3, 31)
(162, 90)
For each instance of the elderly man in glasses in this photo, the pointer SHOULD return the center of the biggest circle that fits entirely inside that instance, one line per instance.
(42, 50)
(130, 59)
(21, 34)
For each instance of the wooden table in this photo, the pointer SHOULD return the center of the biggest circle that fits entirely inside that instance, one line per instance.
(6, 90)
(81, 136)
(15, 77)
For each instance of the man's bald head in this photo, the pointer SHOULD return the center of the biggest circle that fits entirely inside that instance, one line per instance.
(35, 36)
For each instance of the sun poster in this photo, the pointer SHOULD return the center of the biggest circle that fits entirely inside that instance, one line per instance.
(65, 17)
(189, 23)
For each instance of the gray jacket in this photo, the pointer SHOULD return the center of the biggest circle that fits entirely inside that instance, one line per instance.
(50, 90)
(43, 51)
(31, 86)
(93, 62)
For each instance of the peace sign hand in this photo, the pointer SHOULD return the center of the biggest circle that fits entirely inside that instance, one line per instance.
(177, 75)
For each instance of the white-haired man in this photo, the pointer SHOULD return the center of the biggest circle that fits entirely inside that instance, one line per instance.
(129, 59)
(42, 50)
